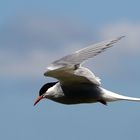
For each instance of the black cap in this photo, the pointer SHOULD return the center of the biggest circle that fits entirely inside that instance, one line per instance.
(45, 87)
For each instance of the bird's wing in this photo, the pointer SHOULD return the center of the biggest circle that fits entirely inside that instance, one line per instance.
(80, 56)
(65, 68)
(81, 75)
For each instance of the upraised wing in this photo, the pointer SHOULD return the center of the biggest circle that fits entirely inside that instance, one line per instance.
(80, 56)
(67, 69)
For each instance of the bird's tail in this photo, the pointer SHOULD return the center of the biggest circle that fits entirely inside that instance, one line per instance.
(111, 96)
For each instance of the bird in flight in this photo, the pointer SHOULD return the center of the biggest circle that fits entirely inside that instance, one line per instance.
(77, 84)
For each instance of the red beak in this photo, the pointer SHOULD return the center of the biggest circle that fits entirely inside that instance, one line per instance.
(38, 99)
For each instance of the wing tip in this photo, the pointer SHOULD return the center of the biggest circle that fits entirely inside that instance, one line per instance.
(113, 41)
(119, 38)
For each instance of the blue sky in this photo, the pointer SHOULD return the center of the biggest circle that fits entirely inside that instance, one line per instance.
(33, 34)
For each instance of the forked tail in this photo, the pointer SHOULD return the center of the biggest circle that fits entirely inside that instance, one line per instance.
(111, 96)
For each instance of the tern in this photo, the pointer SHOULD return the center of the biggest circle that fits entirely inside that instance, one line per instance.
(77, 84)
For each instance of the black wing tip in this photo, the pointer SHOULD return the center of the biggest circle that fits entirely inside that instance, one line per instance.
(110, 44)
(119, 38)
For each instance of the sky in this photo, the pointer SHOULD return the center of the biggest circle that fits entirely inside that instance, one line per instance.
(35, 33)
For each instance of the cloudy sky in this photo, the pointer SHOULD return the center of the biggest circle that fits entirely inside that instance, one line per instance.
(33, 34)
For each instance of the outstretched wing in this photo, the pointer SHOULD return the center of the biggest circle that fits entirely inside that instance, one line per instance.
(67, 69)
(80, 56)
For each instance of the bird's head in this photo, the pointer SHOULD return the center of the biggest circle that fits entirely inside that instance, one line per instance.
(43, 91)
